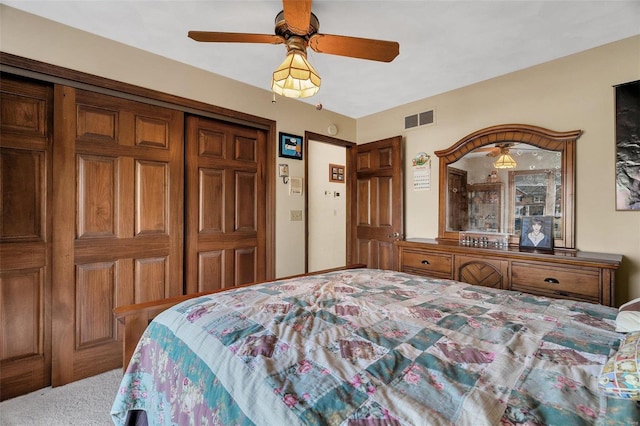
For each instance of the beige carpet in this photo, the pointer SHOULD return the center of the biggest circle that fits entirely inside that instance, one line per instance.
(85, 402)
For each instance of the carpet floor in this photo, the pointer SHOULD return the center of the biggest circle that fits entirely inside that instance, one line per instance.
(85, 402)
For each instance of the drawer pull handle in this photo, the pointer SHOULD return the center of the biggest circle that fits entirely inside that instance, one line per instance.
(425, 262)
(551, 281)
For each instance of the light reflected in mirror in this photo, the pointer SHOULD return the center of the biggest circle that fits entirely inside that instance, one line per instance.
(485, 197)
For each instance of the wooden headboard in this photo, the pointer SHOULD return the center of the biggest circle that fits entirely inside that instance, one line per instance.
(137, 317)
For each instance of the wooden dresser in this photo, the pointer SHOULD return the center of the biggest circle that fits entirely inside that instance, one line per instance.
(576, 275)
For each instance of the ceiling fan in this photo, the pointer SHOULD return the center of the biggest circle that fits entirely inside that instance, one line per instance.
(496, 150)
(297, 27)
(502, 153)
(500, 148)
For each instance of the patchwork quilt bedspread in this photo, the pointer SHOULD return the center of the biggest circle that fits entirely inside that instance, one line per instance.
(373, 347)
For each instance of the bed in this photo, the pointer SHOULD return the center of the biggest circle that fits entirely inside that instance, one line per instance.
(373, 347)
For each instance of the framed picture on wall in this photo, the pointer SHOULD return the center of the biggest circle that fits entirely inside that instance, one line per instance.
(336, 173)
(290, 146)
(627, 156)
(537, 233)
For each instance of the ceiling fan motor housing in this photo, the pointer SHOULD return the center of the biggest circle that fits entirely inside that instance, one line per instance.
(282, 29)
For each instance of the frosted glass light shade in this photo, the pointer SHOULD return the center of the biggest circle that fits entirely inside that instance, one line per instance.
(505, 161)
(295, 77)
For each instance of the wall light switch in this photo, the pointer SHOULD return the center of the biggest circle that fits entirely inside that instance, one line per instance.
(295, 215)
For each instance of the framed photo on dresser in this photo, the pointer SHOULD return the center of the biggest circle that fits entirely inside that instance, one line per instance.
(537, 233)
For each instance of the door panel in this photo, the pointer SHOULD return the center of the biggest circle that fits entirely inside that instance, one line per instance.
(97, 189)
(125, 161)
(211, 268)
(25, 269)
(378, 215)
(364, 200)
(151, 207)
(210, 209)
(246, 265)
(385, 201)
(95, 285)
(386, 260)
(23, 194)
(246, 202)
(226, 212)
(151, 276)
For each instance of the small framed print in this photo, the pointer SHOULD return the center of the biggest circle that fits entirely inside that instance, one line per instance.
(336, 173)
(537, 233)
(290, 146)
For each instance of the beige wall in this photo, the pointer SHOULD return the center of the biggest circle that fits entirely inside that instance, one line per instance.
(570, 93)
(575, 92)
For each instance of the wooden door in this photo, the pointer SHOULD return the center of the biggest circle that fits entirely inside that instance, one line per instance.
(25, 236)
(458, 213)
(117, 222)
(379, 202)
(226, 204)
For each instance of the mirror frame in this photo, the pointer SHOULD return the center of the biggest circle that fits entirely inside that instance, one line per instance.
(564, 142)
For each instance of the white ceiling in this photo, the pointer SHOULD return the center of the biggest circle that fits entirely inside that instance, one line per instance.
(444, 45)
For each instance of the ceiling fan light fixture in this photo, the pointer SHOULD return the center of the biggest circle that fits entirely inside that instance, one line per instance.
(505, 161)
(295, 77)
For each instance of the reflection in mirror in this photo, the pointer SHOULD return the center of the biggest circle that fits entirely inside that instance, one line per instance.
(485, 198)
(494, 177)
(536, 193)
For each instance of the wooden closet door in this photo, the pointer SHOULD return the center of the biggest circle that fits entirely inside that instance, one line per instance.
(118, 222)
(226, 205)
(25, 269)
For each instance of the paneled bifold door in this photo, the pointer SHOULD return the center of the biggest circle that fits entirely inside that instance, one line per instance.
(92, 194)
(117, 218)
(226, 205)
(25, 233)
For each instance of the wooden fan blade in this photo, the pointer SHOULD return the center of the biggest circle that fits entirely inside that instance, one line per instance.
(216, 37)
(355, 47)
(297, 15)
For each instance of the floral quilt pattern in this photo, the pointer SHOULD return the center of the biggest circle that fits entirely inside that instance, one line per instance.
(372, 347)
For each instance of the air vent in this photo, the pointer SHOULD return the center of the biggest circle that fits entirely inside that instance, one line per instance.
(411, 121)
(426, 117)
(421, 119)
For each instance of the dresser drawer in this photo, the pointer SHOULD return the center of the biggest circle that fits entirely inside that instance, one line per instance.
(582, 283)
(430, 264)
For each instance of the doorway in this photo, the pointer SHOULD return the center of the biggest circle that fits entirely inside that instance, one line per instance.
(373, 203)
(327, 202)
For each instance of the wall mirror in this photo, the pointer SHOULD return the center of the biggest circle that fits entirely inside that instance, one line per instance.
(492, 178)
